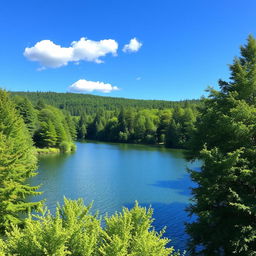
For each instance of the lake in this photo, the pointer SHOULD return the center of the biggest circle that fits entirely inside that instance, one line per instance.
(115, 175)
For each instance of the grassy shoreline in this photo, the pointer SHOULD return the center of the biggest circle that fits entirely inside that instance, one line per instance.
(42, 151)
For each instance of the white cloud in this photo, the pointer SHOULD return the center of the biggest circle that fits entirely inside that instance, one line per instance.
(83, 85)
(133, 46)
(49, 54)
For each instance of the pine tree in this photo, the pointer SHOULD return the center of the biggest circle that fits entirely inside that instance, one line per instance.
(48, 135)
(82, 124)
(17, 163)
(71, 126)
(40, 104)
(225, 198)
(28, 113)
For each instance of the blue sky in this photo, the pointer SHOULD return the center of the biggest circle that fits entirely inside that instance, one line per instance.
(186, 45)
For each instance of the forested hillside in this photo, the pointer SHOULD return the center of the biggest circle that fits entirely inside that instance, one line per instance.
(124, 120)
(77, 104)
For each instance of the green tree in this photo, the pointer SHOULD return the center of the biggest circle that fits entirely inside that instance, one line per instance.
(180, 129)
(71, 126)
(122, 122)
(27, 111)
(82, 127)
(173, 135)
(54, 129)
(17, 163)
(40, 104)
(225, 198)
(165, 119)
(111, 130)
(46, 136)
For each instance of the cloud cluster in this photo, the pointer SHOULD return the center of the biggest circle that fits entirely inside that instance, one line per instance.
(133, 46)
(49, 54)
(83, 85)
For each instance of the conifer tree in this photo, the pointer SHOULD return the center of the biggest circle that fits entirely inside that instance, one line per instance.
(82, 127)
(71, 126)
(46, 136)
(40, 104)
(17, 163)
(225, 198)
(27, 111)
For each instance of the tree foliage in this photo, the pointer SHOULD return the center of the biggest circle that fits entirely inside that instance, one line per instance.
(225, 198)
(17, 163)
(77, 104)
(50, 127)
(75, 231)
(28, 113)
(122, 120)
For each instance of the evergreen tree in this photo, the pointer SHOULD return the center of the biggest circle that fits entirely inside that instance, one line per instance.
(27, 111)
(71, 126)
(122, 122)
(225, 198)
(46, 136)
(82, 127)
(111, 130)
(61, 133)
(17, 164)
(54, 129)
(165, 118)
(40, 104)
(173, 135)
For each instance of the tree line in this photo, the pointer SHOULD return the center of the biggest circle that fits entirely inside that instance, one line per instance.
(77, 104)
(122, 120)
(171, 127)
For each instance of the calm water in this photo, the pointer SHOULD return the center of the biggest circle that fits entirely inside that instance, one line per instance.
(115, 175)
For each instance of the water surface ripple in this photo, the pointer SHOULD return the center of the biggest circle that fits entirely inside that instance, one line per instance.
(115, 175)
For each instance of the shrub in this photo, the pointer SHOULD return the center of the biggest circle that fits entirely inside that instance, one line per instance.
(75, 231)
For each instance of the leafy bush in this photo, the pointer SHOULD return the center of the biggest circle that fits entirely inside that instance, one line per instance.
(73, 147)
(75, 231)
(42, 151)
(66, 146)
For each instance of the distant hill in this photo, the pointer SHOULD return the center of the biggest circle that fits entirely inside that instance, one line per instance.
(77, 103)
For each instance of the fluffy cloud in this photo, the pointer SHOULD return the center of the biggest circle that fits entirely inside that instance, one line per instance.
(133, 46)
(83, 85)
(49, 54)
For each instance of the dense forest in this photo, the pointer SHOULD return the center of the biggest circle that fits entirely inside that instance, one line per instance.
(89, 104)
(49, 127)
(221, 132)
(123, 120)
